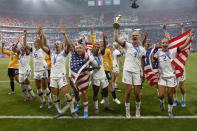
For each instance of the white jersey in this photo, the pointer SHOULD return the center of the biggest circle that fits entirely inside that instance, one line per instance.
(24, 63)
(133, 57)
(115, 55)
(58, 68)
(98, 73)
(39, 60)
(164, 59)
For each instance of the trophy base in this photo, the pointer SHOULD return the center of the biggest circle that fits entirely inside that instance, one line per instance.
(116, 25)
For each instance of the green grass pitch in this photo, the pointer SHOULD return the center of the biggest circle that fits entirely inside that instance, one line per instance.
(15, 106)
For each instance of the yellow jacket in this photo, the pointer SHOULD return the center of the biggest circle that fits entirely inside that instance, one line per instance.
(48, 60)
(13, 60)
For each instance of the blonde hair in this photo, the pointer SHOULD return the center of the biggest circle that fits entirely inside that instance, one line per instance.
(116, 46)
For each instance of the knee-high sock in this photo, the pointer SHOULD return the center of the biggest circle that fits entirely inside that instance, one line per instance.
(127, 108)
(138, 105)
(106, 101)
(70, 102)
(48, 93)
(113, 94)
(30, 90)
(57, 103)
(85, 104)
(40, 93)
(24, 90)
(96, 104)
(12, 86)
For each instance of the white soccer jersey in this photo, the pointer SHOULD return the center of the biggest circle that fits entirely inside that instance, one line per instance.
(165, 67)
(39, 60)
(58, 68)
(115, 55)
(24, 65)
(133, 57)
(98, 73)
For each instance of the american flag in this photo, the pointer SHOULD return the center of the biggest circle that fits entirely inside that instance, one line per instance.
(151, 69)
(79, 70)
(89, 46)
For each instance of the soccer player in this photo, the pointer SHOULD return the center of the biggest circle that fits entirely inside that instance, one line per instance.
(167, 76)
(13, 65)
(99, 79)
(58, 73)
(25, 69)
(132, 70)
(108, 64)
(116, 62)
(40, 70)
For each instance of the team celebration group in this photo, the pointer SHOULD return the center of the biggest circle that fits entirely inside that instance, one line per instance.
(92, 66)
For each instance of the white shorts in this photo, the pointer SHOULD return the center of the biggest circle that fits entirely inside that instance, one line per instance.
(131, 78)
(40, 74)
(58, 82)
(169, 82)
(24, 76)
(182, 78)
(116, 70)
(102, 83)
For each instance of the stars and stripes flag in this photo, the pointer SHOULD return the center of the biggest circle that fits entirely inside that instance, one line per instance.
(79, 70)
(151, 69)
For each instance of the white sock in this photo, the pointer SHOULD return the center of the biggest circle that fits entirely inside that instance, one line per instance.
(85, 104)
(57, 103)
(162, 100)
(175, 96)
(78, 103)
(170, 108)
(183, 97)
(127, 108)
(138, 105)
(96, 105)
(48, 93)
(115, 85)
(24, 90)
(106, 100)
(71, 106)
(30, 90)
(40, 93)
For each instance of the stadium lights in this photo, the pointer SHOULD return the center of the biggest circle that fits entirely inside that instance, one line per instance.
(134, 4)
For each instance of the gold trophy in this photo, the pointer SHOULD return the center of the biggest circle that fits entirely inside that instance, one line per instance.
(116, 25)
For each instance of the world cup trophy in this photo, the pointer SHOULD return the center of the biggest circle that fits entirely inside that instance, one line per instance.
(116, 25)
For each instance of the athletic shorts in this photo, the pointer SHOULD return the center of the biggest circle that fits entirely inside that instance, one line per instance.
(108, 75)
(181, 79)
(12, 72)
(131, 78)
(24, 76)
(116, 70)
(102, 83)
(168, 82)
(58, 82)
(40, 74)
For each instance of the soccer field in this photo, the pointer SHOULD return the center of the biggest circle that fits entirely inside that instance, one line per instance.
(15, 106)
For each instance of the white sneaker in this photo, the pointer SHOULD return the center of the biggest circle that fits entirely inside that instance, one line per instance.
(116, 101)
(128, 115)
(102, 101)
(11, 92)
(137, 113)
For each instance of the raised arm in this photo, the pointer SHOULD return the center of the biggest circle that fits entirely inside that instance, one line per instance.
(116, 38)
(43, 40)
(15, 46)
(92, 36)
(67, 41)
(167, 35)
(188, 40)
(2, 49)
(145, 38)
(182, 28)
(83, 41)
(104, 44)
(25, 40)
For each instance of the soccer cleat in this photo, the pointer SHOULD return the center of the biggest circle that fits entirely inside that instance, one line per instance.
(128, 115)
(108, 109)
(58, 115)
(50, 105)
(116, 101)
(77, 108)
(42, 104)
(183, 104)
(85, 115)
(74, 115)
(96, 111)
(102, 101)
(27, 99)
(170, 115)
(162, 106)
(117, 90)
(175, 103)
(137, 113)
(11, 93)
